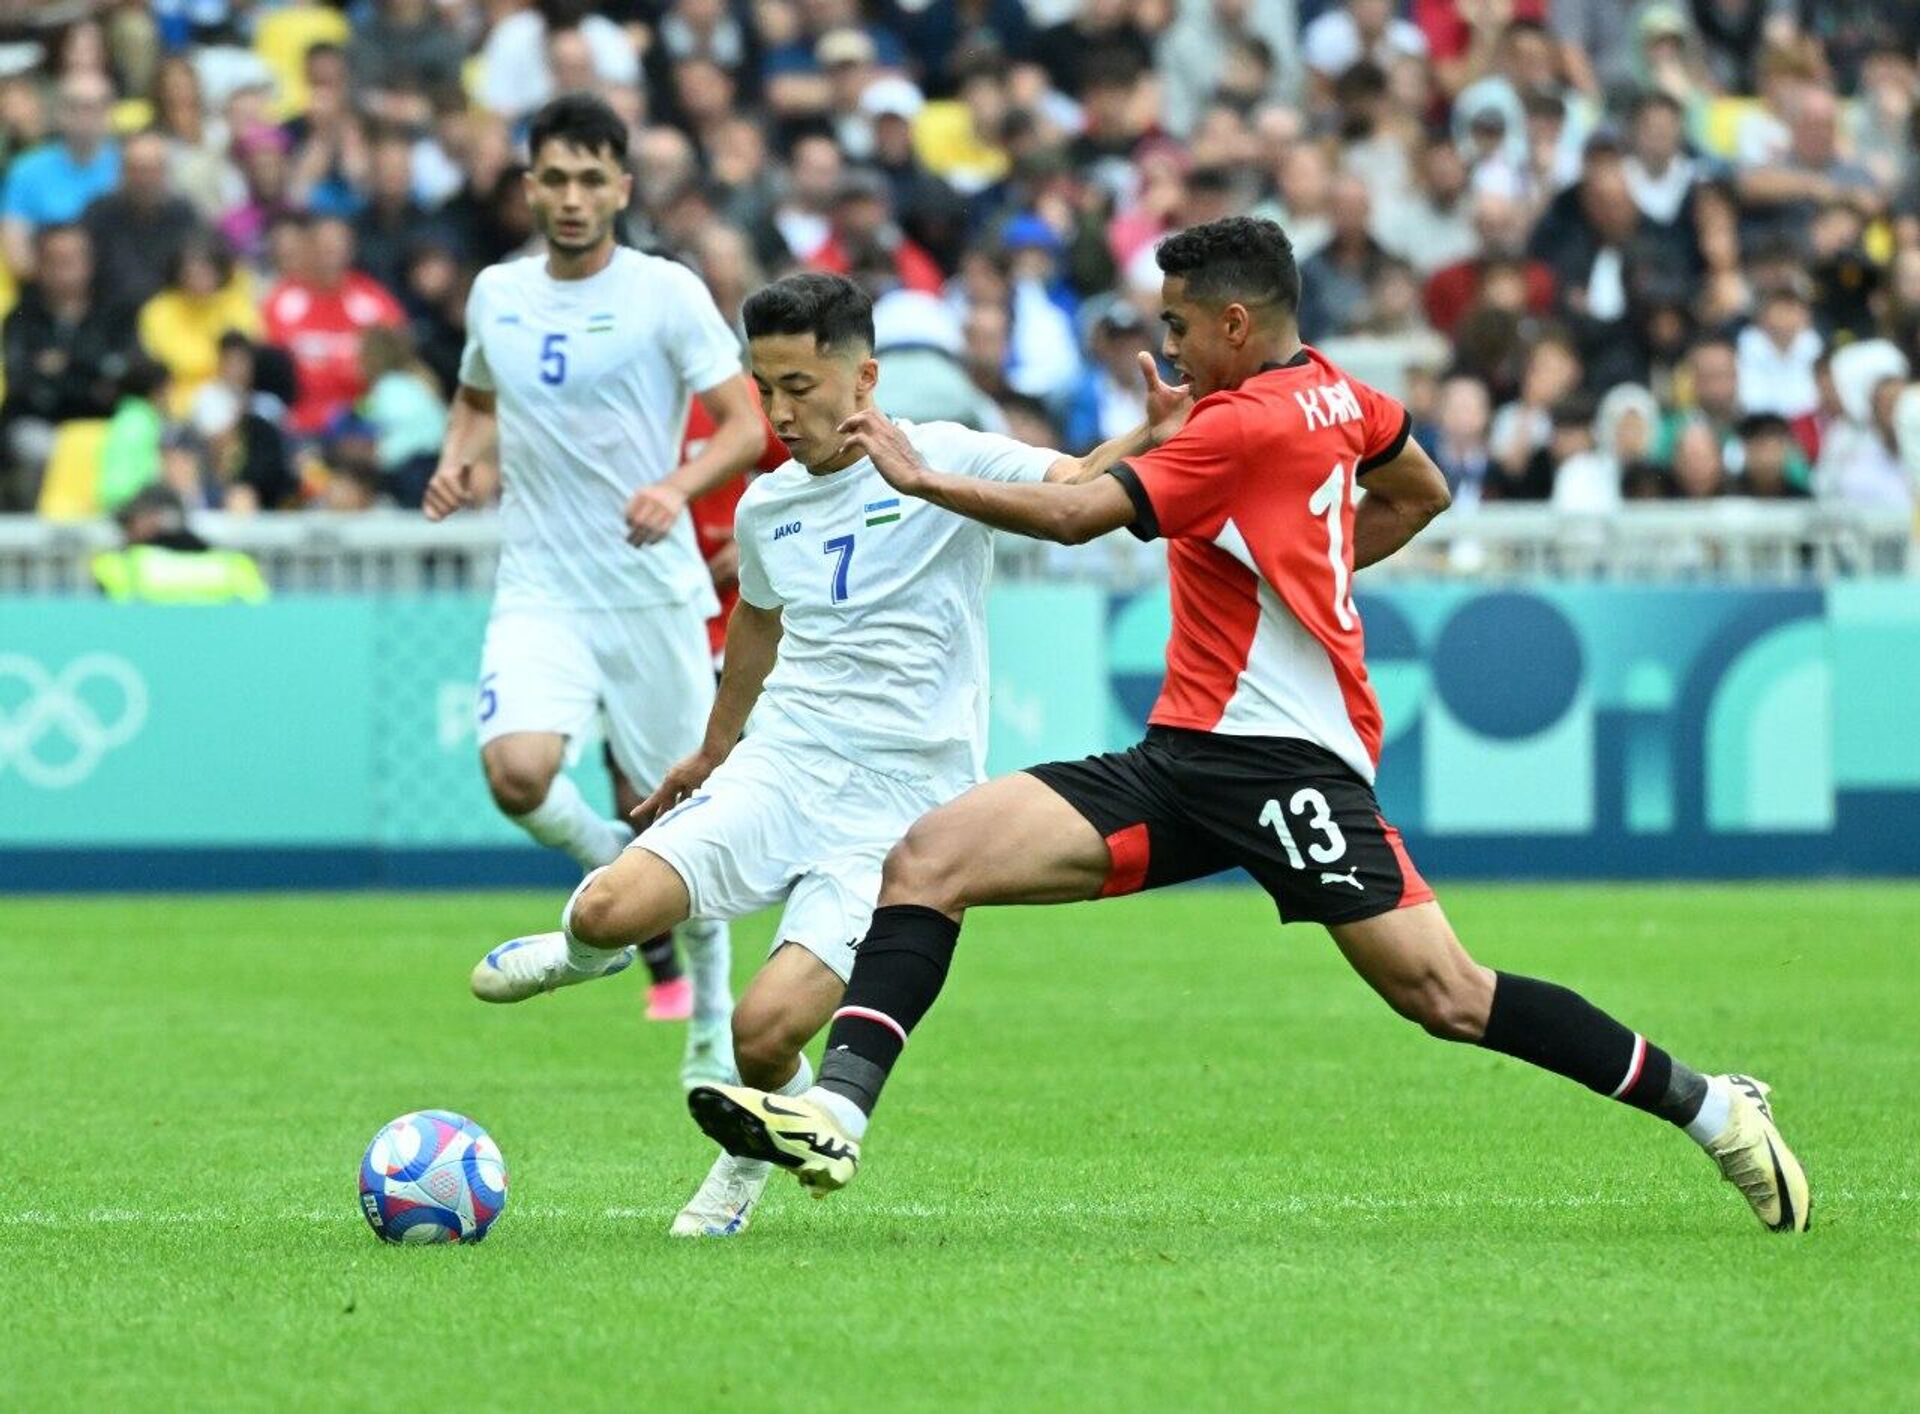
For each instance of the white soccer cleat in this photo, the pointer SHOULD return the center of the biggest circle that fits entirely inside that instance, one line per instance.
(526, 967)
(725, 1201)
(1756, 1160)
(708, 1059)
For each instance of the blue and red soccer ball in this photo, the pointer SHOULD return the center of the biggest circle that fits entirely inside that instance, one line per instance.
(432, 1176)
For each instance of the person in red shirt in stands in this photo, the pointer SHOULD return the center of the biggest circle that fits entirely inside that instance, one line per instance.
(1285, 477)
(318, 314)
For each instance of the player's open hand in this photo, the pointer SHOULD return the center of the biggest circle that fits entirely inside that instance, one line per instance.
(876, 435)
(652, 512)
(1167, 405)
(682, 780)
(450, 488)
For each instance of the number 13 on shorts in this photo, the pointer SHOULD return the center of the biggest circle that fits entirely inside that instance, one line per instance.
(1311, 806)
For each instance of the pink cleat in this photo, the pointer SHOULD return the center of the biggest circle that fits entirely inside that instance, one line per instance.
(670, 1001)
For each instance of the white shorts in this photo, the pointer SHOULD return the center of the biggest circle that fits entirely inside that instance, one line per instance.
(783, 818)
(647, 670)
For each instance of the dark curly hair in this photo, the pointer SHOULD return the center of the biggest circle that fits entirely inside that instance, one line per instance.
(581, 120)
(830, 307)
(1236, 260)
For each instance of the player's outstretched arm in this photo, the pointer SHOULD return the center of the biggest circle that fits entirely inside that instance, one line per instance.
(472, 436)
(1402, 496)
(739, 436)
(1068, 512)
(753, 640)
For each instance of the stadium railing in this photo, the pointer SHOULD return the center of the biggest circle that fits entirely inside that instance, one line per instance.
(1731, 541)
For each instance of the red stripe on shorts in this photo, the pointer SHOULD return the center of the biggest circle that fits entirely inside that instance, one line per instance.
(1130, 851)
(1413, 888)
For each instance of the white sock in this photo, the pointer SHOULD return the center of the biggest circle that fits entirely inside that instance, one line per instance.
(582, 957)
(709, 946)
(565, 821)
(852, 1118)
(802, 1080)
(1715, 1111)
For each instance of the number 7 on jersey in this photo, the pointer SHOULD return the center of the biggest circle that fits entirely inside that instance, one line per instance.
(841, 546)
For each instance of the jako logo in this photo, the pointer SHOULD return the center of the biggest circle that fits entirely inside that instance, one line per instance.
(781, 532)
(55, 729)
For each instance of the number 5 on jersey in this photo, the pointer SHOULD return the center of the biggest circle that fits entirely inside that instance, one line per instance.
(841, 546)
(553, 360)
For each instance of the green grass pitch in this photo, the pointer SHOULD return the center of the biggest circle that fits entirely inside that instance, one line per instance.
(1154, 1155)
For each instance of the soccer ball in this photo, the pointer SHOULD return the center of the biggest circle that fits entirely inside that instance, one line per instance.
(432, 1176)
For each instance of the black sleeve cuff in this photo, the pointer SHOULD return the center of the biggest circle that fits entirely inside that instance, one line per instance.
(1391, 450)
(1146, 525)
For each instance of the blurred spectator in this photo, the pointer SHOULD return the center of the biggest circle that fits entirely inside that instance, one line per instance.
(1194, 52)
(1110, 399)
(1699, 472)
(262, 155)
(318, 313)
(1604, 262)
(1777, 353)
(1859, 461)
(66, 353)
(1044, 356)
(392, 223)
(52, 185)
(516, 76)
(1392, 337)
(1525, 425)
(130, 456)
(1845, 278)
(1782, 194)
(1459, 444)
(205, 297)
(1346, 33)
(230, 457)
(1334, 283)
(1710, 376)
(1097, 31)
(162, 562)
(1592, 482)
(139, 229)
(404, 406)
(1432, 224)
(863, 241)
(1771, 464)
(1500, 231)
(328, 142)
(198, 168)
(400, 55)
(923, 378)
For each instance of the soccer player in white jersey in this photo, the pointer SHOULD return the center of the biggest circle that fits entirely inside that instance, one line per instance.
(859, 649)
(580, 364)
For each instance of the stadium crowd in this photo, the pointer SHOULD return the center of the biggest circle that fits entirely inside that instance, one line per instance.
(1603, 250)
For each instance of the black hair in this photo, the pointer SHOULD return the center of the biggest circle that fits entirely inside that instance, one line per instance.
(830, 307)
(143, 377)
(1649, 99)
(582, 120)
(209, 247)
(1238, 259)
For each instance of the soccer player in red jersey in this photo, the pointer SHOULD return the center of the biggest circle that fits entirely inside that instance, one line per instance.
(1286, 477)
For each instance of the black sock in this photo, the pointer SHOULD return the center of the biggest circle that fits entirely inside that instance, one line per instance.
(1561, 1031)
(897, 972)
(663, 963)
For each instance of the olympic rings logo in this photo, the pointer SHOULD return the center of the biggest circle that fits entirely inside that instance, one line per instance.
(56, 732)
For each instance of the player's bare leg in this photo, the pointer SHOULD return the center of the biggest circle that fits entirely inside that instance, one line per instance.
(669, 993)
(1012, 840)
(525, 779)
(636, 897)
(1411, 957)
(783, 1008)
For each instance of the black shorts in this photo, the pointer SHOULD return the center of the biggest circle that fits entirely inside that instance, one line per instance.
(1185, 804)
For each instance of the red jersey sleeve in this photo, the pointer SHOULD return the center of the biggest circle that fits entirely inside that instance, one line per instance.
(1385, 426)
(1185, 486)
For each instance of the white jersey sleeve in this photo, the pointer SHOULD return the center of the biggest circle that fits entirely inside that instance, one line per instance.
(474, 372)
(704, 350)
(986, 456)
(756, 587)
